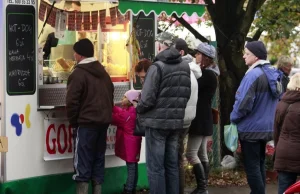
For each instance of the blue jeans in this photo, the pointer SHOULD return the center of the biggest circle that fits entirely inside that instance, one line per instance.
(254, 161)
(132, 175)
(162, 160)
(89, 156)
(285, 180)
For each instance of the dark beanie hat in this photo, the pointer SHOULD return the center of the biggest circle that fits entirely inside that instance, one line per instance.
(258, 49)
(181, 44)
(84, 47)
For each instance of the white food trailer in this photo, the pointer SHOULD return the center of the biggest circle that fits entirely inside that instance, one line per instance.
(38, 155)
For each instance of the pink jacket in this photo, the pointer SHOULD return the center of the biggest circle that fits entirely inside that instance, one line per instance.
(127, 145)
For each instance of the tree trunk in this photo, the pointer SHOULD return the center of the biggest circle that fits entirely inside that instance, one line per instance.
(232, 69)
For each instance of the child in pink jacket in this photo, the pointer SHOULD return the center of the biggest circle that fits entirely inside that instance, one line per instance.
(127, 145)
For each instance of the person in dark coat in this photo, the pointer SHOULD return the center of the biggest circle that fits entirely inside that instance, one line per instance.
(89, 104)
(285, 64)
(287, 135)
(202, 126)
(161, 110)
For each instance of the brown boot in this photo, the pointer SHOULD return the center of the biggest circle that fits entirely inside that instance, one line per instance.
(82, 188)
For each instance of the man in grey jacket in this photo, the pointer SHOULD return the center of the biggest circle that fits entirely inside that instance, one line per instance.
(166, 91)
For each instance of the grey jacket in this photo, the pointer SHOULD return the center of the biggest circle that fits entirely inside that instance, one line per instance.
(166, 91)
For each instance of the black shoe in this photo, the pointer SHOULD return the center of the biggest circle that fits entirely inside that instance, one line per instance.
(200, 179)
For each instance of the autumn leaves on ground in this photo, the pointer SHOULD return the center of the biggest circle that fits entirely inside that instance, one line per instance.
(217, 178)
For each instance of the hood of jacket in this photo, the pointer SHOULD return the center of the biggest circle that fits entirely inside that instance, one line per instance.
(169, 56)
(188, 58)
(215, 69)
(92, 66)
(195, 69)
(291, 97)
(193, 66)
(274, 79)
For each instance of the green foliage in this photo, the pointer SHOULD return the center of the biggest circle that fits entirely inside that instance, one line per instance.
(281, 24)
(279, 18)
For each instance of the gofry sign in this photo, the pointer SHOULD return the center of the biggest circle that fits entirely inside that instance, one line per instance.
(59, 139)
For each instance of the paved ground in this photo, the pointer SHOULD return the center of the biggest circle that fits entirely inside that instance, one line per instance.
(271, 189)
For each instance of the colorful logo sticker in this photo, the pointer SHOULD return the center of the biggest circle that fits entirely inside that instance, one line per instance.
(18, 120)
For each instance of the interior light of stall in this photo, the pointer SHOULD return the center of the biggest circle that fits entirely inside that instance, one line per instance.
(124, 36)
(115, 36)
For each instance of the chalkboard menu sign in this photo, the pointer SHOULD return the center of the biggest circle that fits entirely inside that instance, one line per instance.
(145, 33)
(20, 50)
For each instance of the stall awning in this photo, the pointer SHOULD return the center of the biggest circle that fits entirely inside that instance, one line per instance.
(159, 7)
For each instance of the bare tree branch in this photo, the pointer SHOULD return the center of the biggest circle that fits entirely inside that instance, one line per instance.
(208, 2)
(211, 9)
(252, 7)
(190, 28)
(257, 34)
(240, 6)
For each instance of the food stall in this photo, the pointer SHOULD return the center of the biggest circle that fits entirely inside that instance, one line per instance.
(99, 21)
(33, 88)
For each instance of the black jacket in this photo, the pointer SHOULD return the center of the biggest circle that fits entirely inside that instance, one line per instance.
(166, 91)
(203, 122)
(89, 96)
(285, 81)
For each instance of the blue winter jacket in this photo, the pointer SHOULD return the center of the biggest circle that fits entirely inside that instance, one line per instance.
(255, 103)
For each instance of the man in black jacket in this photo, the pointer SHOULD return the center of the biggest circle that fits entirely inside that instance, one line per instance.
(166, 91)
(89, 104)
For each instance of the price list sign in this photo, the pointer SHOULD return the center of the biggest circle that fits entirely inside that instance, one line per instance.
(20, 50)
(145, 33)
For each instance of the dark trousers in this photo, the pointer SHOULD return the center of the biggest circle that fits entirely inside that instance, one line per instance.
(182, 136)
(89, 156)
(285, 180)
(132, 175)
(162, 160)
(254, 161)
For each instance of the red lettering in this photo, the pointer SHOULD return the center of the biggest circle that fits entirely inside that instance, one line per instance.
(60, 149)
(49, 150)
(70, 139)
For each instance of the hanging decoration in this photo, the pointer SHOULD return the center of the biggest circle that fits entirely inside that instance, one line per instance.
(120, 17)
(94, 20)
(127, 16)
(52, 17)
(113, 15)
(78, 21)
(60, 24)
(86, 21)
(71, 21)
(83, 20)
(102, 18)
(42, 10)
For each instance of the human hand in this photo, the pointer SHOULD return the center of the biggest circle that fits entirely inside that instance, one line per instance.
(134, 104)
